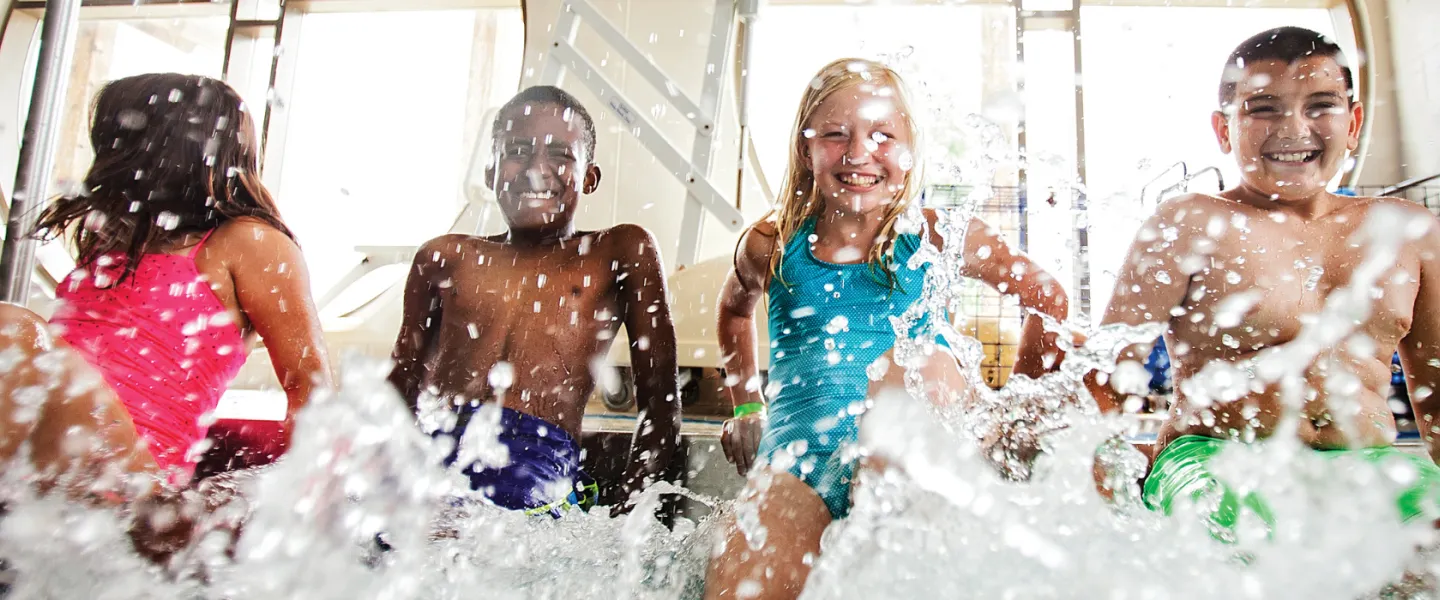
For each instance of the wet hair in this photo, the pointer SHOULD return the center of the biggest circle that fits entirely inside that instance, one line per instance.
(1289, 44)
(799, 198)
(174, 154)
(549, 94)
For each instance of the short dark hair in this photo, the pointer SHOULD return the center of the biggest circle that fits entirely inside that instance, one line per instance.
(549, 94)
(1290, 44)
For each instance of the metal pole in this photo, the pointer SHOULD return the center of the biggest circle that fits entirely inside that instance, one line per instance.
(37, 151)
(748, 12)
(1081, 206)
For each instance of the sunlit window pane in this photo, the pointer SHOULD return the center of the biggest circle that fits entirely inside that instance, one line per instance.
(942, 51)
(1051, 168)
(1047, 4)
(381, 120)
(265, 10)
(109, 49)
(251, 59)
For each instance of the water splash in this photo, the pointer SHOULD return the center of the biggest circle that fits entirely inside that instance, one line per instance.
(945, 524)
(951, 518)
(358, 508)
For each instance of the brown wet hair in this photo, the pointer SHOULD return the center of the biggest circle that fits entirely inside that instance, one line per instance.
(174, 154)
(1288, 44)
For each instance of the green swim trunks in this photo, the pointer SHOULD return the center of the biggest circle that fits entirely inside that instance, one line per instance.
(1182, 471)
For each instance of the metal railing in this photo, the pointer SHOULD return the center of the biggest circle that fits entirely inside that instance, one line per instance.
(1408, 184)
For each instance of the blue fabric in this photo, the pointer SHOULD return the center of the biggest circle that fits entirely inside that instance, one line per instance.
(541, 454)
(1158, 364)
(828, 322)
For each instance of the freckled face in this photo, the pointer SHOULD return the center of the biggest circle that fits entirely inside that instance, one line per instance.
(1291, 127)
(858, 145)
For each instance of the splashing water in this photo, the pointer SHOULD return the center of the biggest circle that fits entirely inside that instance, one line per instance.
(945, 522)
(942, 521)
(359, 507)
(358, 475)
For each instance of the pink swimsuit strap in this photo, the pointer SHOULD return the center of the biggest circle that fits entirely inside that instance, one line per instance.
(162, 339)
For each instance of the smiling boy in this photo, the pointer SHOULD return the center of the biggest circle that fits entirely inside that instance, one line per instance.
(524, 319)
(1237, 274)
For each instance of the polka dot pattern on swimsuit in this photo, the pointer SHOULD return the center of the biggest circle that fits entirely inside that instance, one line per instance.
(162, 339)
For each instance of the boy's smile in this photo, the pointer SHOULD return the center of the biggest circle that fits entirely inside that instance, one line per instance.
(1290, 127)
(535, 172)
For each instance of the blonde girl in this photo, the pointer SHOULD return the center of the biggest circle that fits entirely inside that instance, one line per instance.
(836, 270)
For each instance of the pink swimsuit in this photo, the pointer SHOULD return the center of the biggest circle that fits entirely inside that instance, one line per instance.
(163, 341)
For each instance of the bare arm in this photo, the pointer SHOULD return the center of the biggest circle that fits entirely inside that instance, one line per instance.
(1148, 286)
(645, 304)
(1420, 348)
(988, 258)
(419, 322)
(272, 285)
(738, 340)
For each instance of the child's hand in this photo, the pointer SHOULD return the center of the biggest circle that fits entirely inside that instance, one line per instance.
(740, 439)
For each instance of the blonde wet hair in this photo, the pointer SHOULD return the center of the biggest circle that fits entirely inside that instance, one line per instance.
(799, 196)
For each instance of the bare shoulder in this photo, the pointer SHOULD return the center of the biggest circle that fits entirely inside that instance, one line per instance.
(758, 242)
(1410, 210)
(248, 234)
(753, 252)
(627, 239)
(454, 243)
(1196, 209)
(451, 247)
(1413, 220)
(1193, 223)
(247, 243)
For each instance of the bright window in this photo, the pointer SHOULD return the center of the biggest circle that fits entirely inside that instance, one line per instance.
(109, 49)
(105, 50)
(382, 117)
(944, 52)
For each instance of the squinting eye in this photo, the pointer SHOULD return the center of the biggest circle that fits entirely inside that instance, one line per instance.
(880, 137)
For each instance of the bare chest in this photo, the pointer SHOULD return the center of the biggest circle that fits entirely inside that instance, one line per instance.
(1261, 287)
(568, 298)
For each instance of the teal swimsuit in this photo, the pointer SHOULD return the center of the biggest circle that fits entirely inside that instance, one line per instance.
(828, 322)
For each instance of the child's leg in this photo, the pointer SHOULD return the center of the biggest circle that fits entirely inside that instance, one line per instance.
(52, 398)
(942, 382)
(794, 517)
(942, 385)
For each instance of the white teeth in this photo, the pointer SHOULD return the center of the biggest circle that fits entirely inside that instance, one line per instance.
(858, 180)
(537, 195)
(1292, 156)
